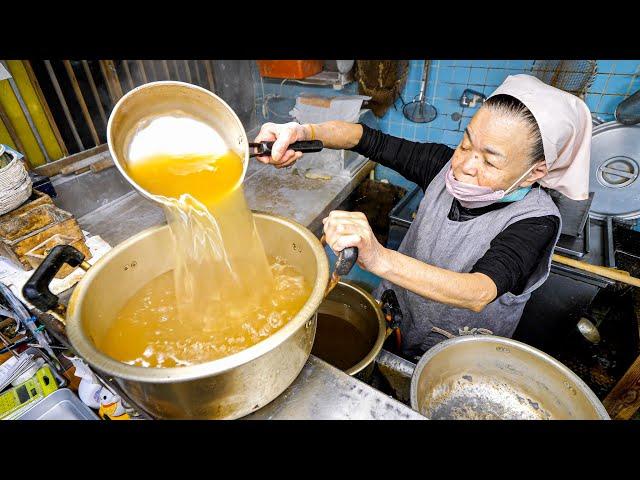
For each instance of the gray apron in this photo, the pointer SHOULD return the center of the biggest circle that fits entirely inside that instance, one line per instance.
(457, 246)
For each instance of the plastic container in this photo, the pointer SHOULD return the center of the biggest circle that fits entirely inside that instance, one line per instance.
(401, 217)
(294, 69)
(62, 404)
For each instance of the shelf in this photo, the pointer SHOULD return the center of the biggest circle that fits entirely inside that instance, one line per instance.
(336, 80)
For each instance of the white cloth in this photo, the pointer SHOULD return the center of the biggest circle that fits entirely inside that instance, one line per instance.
(565, 125)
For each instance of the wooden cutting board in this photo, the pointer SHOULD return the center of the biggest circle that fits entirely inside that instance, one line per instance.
(32, 225)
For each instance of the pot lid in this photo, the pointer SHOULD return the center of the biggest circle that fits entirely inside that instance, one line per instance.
(615, 171)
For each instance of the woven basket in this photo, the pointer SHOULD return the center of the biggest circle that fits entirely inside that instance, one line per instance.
(15, 186)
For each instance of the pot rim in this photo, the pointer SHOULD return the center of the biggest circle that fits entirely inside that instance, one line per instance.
(600, 411)
(89, 352)
(164, 83)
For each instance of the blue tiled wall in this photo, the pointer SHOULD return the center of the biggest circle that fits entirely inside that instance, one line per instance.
(616, 79)
(449, 78)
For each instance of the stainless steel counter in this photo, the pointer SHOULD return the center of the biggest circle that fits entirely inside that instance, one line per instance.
(279, 192)
(320, 391)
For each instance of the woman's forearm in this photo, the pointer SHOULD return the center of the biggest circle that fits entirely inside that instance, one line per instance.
(335, 134)
(472, 291)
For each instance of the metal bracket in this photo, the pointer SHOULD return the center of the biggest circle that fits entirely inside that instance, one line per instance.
(470, 98)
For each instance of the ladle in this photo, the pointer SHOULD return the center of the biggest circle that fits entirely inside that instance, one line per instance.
(210, 123)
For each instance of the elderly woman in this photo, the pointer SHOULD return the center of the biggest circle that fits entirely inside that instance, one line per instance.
(485, 231)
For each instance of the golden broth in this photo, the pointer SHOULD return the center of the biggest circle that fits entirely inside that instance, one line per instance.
(204, 177)
(148, 331)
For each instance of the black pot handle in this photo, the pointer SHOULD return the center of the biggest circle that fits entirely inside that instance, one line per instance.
(304, 146)
(347, 258)
(391, 308)
(393, 315)
(36, 290)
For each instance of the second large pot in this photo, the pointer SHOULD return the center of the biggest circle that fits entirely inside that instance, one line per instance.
(351, 330)
(485, 377)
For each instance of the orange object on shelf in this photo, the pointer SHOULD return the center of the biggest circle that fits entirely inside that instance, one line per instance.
(294, 69)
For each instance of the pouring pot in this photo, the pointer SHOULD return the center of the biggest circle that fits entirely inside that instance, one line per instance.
(485, 378)
(226, 388)
(132, 115)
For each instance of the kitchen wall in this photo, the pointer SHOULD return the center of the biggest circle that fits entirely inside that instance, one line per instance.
(275, 98)
(235, 83)
(616, 79)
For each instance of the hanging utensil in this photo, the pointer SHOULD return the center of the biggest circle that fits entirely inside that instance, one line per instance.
(419, 111)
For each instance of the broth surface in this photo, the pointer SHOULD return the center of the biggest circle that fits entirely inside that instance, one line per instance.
(339, 343)
(149, 332)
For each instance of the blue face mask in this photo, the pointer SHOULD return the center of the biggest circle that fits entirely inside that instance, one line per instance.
(517, 194)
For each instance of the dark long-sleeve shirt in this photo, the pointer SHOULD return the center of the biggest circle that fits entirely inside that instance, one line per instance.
(512, 255)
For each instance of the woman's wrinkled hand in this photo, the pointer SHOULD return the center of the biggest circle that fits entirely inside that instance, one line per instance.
(352, 229)
(283, 135)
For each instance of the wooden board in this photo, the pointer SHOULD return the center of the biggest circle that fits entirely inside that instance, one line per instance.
(102, 165)
(36, 255)
(20, 234)
(36, 199)
(86, 164)
(54, 168)
(624, 400)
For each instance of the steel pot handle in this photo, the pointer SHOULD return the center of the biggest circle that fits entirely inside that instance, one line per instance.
(36, 290)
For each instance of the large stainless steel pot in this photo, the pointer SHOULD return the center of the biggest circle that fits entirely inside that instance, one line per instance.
(226, 388)
(487, 377)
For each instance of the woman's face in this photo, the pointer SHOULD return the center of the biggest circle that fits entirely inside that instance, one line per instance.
(494, 152)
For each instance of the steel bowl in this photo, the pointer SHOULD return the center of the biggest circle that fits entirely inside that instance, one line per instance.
(494, 378)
